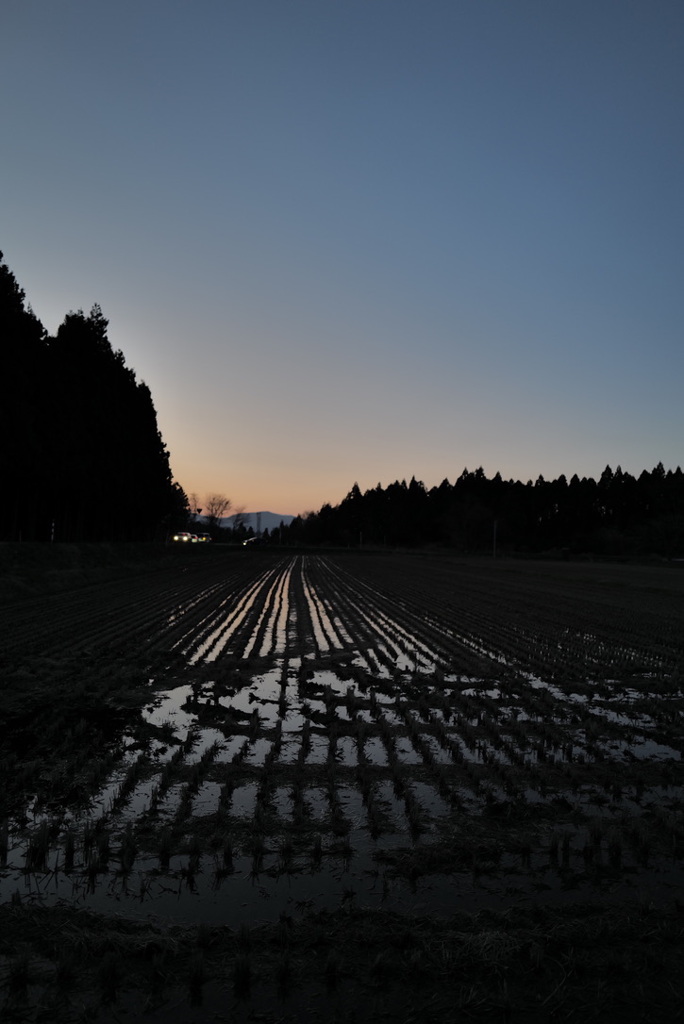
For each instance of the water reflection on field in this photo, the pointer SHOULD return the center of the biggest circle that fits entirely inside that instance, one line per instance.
(301, 788)
(319, 744)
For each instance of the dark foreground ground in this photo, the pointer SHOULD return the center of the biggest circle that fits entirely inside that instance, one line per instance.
(587, 920)
(587, 963)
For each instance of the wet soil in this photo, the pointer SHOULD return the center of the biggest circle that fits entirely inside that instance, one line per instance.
(342, 786)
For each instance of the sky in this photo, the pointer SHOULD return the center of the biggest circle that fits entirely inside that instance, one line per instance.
(361, 240)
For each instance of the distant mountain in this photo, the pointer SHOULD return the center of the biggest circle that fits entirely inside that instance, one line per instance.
(261, 520)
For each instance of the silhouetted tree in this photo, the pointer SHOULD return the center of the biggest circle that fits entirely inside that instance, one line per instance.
(215, 507)
(23, 425)
(616, 516)
(82, 456)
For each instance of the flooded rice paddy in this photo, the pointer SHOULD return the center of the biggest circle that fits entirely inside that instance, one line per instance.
(324, 733)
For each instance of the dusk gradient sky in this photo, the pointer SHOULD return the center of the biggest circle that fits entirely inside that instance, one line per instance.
(361, 240)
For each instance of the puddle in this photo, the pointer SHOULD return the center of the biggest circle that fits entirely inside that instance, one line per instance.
(282, 802)
(317, 802)
(319, 750)
(206, 739)
(347, 751)
(375, 751)
(168, 708)
(645, 749)
(257, 752)
(406, 752)
(207, 799)
(244, 800)
(229, 748)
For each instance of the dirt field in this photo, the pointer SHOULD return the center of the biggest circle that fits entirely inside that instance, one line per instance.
(340, 786)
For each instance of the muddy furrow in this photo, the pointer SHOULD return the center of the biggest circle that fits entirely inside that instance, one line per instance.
(516, 613)
(266, 632)
(206, 640)
(137, 611)
(248, 628)
(404, 633)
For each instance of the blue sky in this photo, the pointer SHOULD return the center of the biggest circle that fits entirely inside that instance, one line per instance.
(361, 240)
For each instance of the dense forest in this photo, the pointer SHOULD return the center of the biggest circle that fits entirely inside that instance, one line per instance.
(618, 515)
(82, 458)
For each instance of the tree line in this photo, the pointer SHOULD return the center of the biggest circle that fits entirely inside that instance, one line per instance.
(82, 458)
(616, 515)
